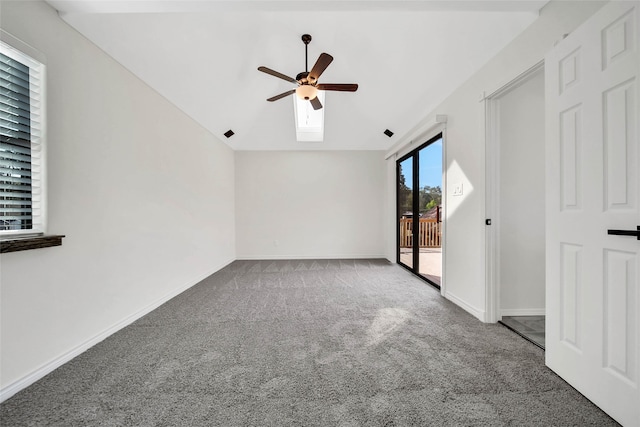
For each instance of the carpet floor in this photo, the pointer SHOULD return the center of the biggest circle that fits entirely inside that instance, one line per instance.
(306, 343)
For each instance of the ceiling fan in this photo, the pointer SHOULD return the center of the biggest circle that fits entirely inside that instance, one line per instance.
(307, 81)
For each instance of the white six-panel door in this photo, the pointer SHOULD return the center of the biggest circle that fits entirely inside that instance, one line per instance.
(592, 159)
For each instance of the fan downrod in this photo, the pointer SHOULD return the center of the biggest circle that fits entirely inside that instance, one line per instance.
(306, 39)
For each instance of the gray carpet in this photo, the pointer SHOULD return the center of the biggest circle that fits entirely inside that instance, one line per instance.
(306, 343)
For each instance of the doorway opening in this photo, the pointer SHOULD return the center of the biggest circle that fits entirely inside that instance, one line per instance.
(516, 205)
(419, 211)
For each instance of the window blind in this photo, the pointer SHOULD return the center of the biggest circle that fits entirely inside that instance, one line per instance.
(21, 155)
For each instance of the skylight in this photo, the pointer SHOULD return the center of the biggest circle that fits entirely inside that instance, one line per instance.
(309, 122)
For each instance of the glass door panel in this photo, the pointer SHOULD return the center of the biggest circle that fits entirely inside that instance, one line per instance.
(405, 212)
(429, 238)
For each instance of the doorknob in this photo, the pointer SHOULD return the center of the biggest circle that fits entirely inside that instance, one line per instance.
(626, 232)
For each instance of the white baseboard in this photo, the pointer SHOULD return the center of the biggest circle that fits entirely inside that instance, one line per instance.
(38, 373)
(479, 314)
(522, 312)
(295, 257)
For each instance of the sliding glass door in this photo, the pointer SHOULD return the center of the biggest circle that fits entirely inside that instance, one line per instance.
(419, 191)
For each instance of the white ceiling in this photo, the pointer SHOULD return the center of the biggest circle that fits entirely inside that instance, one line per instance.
(406, 56)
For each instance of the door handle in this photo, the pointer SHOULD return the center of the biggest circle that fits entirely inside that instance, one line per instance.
(635, 232)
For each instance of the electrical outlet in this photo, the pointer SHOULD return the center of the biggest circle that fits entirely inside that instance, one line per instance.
(457, 189)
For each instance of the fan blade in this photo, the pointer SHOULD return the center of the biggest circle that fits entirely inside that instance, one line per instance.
(282, 95)
(316, 104)
(342, 87)
(321, 64)
(277, 74)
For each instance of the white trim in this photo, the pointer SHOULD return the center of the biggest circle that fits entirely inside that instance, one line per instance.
(476, 312)
(492, 190)
(420, 133)
(512, 83)
(443, 230)
(23, 47)
(35, 61)
(38, 373)
(491, 208)
(66, 7)
(522, 312)
(298, 257)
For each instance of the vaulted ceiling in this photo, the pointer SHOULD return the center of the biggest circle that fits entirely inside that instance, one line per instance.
(406, 56)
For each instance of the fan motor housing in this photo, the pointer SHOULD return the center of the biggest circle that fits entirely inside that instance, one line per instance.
(302, 77)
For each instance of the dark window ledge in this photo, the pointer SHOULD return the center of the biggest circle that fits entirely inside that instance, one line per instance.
(23, 243)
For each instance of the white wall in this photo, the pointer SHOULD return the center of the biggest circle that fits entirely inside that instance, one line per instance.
(310, 204)
(144, 195)
(464, 262)
(522, 199)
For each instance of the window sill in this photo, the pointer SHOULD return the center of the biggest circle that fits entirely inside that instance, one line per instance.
(24, 243)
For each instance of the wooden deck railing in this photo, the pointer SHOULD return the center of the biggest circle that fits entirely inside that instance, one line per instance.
(429, 234)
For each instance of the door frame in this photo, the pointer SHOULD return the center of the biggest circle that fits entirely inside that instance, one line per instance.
(440, 134)
(492, 190)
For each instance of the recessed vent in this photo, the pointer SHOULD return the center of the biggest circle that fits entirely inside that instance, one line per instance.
(388, 133)
(228, 133)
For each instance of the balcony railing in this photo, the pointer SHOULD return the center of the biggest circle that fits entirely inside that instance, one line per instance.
(429, 233)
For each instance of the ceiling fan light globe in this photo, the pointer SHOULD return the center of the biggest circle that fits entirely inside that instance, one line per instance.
(306, 92)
